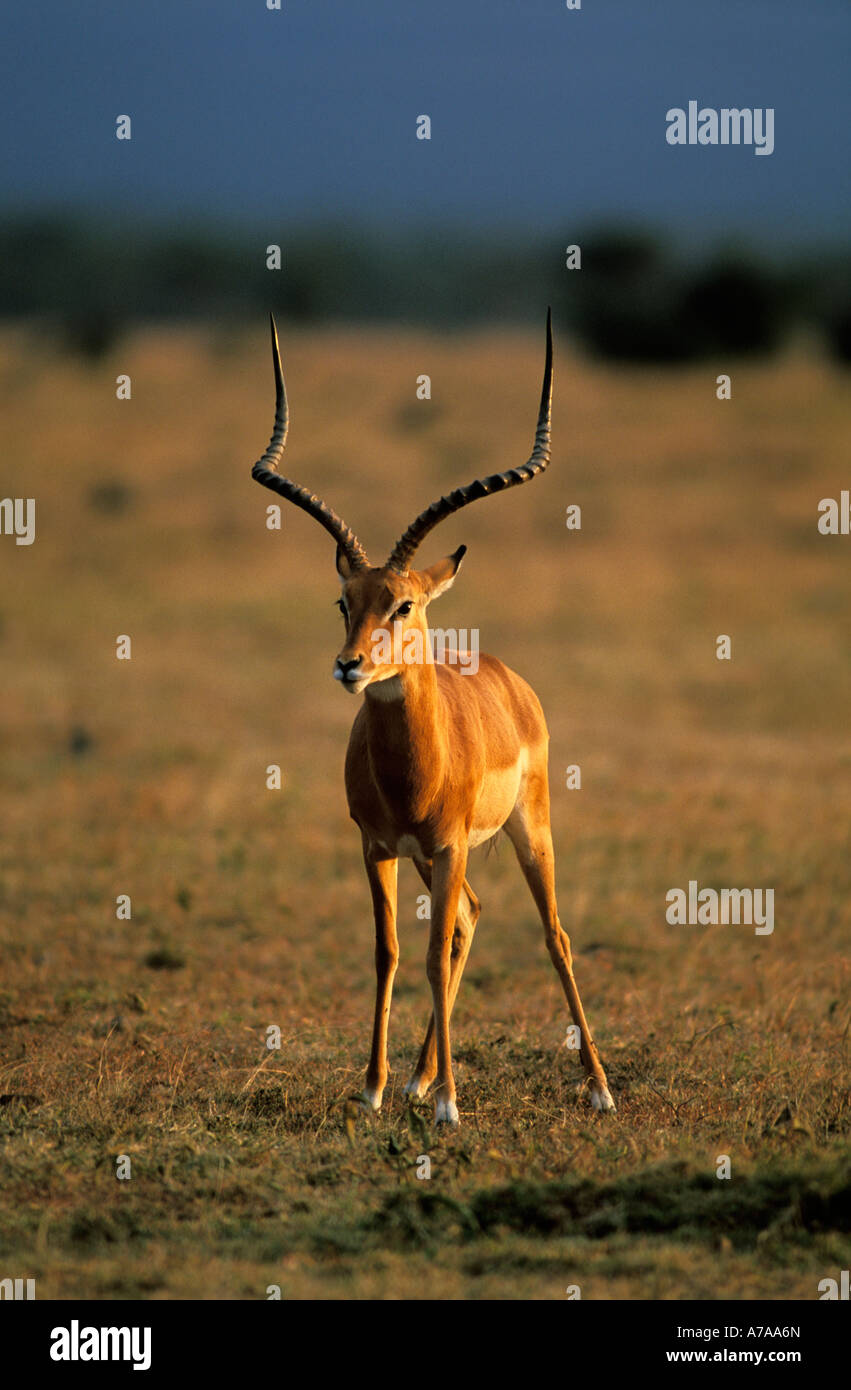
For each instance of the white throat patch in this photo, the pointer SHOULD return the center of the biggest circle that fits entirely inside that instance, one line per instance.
(389, 689)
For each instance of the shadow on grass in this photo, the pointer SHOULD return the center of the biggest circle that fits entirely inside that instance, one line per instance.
(659, 1201)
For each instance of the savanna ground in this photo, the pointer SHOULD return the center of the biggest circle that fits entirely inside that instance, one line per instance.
(146, 1037)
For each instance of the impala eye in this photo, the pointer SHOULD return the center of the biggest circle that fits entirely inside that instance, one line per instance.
(403, 610)
(342, 607)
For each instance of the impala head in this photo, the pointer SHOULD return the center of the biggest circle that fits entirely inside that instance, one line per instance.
(380, 607)
(386, 602)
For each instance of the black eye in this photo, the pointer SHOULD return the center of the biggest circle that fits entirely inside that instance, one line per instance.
(403, 610)
(342, 607)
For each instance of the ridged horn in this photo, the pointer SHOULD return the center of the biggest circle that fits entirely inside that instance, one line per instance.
(265, 471)
(404, 549)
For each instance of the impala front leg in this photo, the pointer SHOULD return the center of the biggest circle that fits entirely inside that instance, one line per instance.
(448, 870)
(382, 874)
(469, 909)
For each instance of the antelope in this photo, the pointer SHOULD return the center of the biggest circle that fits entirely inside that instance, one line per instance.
(438, 761)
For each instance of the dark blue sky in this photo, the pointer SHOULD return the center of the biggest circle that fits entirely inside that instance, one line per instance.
(542, 117)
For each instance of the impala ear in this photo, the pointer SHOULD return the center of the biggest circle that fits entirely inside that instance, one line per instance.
(344, 569)
(440, 577)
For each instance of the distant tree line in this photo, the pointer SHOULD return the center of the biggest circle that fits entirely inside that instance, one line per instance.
(633, 299)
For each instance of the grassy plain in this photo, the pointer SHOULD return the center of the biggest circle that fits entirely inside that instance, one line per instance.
(146, 1037)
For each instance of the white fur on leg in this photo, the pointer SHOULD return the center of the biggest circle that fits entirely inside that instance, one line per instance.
(371, 1099)
(601, 1098)
(416, 1087)
(446, 1113)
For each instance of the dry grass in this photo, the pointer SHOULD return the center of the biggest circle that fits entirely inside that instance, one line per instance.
(250, 908)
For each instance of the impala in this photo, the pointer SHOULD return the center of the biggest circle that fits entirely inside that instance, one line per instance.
(439, 760)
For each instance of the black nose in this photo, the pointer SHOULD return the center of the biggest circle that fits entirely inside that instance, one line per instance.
(344, 668)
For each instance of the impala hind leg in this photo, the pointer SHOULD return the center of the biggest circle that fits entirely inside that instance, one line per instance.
(528, 828)
(382, 874)
(469, 908)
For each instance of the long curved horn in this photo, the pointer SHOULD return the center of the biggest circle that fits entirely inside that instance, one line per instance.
(265, 471)
(405, 547)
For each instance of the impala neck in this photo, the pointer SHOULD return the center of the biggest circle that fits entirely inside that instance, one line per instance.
(406, 731)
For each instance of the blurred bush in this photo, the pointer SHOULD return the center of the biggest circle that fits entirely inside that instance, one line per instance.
(627, 300)
(634, 299)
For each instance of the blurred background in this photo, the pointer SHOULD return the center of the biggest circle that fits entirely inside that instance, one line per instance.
(297, 128)
(147, 777)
